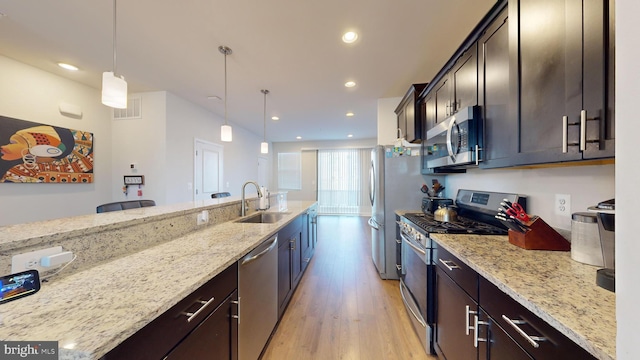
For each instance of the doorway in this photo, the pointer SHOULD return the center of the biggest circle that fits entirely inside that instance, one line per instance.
(208, 160)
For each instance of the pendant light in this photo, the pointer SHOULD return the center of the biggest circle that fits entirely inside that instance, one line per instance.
(114, 87)
(225, 130)
(264, 146)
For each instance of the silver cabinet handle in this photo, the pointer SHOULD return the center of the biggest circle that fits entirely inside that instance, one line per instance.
(193, 315)
(533, 340)
(450, 267)
(476, 323)
(399, 267)
(583, 130)
(468, 312)
(292, 243)
(565, 131)
(478, 149)
(398, 241)
(236, 316)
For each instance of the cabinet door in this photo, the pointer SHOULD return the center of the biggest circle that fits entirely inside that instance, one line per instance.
(215, 338)
(284, 274)
(296, 267)
(443, 101)
(464, 76)
(454, 341)
(550, 78)
(305, 242)
(402, 122)
(598, 79)
(498, 115)
(412, 133)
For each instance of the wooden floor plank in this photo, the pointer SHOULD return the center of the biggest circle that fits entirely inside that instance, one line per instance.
(342, 309)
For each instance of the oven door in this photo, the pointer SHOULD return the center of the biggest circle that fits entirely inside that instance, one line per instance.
(414, 264)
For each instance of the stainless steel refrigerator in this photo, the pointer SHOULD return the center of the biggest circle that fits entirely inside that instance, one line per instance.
(395, 184)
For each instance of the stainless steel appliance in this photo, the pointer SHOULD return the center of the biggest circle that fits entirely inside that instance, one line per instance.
(585, 239)
(456, 141)
(476, 215)
(430, 204)
(258, 297)
(606, 277)
(391, 181)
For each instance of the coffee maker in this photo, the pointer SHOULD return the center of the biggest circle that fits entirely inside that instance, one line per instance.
(605, 211)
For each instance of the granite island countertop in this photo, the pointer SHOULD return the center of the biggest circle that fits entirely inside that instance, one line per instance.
(90, 312)
(561, 291)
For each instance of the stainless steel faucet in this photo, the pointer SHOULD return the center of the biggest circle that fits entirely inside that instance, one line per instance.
(243, 205)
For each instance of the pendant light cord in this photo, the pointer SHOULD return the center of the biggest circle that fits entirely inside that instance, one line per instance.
(225, 88)
(264, 130)
(114, 38)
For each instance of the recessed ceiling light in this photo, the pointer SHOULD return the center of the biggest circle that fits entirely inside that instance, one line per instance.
(298, 137)
(350, 84)
(275, 118)
(214, 97)
(350, 37)
(350, 114)
(350, 135)
(68, 67)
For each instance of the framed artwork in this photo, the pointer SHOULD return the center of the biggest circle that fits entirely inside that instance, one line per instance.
(39, 153)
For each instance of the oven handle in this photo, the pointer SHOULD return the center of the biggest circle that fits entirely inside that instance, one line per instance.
(413, 246)
(408, 306)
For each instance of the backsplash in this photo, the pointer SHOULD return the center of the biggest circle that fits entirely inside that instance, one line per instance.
(586, 185)
(114, 235)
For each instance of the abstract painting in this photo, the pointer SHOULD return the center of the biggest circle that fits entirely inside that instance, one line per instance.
(39, 153)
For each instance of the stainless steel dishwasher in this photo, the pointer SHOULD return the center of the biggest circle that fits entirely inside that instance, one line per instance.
(258, 292)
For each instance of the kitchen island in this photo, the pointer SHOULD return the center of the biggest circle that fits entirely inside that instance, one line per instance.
(550, 284)
(91, 311)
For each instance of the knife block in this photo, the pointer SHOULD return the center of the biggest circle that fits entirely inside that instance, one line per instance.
(540, 236)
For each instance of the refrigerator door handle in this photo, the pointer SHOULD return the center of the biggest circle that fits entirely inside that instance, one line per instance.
(372, 183)
(374, 224)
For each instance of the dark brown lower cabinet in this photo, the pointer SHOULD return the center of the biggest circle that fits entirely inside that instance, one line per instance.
(201, 324)
(215, 338)
(501, 346)
(454, 339)
(290, 268)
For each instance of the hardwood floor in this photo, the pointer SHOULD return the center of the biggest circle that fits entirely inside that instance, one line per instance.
(342, 309)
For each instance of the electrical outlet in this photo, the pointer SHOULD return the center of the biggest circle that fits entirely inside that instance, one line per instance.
(562, 205)
(203, 217)
(31, 260)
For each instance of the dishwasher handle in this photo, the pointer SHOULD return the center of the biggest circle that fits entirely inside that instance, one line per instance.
(255, 257)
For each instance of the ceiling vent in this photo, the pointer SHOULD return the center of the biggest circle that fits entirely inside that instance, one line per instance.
(133, 110)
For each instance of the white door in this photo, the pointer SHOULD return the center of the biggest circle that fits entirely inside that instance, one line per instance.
(208, 169)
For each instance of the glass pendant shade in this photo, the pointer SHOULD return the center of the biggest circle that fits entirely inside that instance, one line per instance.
(264, 147)
(225, 133)
(114, 90)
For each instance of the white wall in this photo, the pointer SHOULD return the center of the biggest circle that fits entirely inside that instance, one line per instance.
(587, 186)
(27, 93)
(160, 143)
(627, 175)
(141, 141)
(387, 120)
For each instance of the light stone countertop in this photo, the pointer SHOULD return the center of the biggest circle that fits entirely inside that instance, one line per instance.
(92, 311)
(561, 291)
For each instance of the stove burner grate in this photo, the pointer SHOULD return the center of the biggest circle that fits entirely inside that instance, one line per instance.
(462, 226)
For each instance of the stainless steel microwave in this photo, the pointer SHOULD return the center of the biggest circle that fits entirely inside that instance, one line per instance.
(456, 141)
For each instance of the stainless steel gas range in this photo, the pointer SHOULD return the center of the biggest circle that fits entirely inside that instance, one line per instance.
(416, 269)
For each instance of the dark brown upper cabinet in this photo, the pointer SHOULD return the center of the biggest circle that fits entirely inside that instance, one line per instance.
(410, 120)
(560, 75)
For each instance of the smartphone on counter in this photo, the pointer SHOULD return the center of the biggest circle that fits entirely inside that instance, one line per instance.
(15, 286)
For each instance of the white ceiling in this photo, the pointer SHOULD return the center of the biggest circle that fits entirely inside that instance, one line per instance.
(292, 48)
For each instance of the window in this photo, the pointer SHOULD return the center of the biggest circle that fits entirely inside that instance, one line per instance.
(289, 171)
(342, 181)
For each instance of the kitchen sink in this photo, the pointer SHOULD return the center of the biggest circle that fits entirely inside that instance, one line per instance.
(262, 218)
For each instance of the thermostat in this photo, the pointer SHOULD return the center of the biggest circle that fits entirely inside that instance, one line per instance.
(134, 179)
